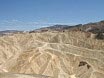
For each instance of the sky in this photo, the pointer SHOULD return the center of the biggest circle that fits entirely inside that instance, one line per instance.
(33, 14)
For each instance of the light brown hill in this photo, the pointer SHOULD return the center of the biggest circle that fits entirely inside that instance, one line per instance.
(51, 54)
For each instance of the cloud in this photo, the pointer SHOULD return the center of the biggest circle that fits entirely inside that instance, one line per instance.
(23, 25)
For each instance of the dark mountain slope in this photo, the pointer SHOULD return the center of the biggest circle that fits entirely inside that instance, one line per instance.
(97, 27)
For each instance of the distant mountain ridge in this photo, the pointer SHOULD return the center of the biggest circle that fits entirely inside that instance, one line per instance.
(5, 32)
(97, 27)
(9, 31)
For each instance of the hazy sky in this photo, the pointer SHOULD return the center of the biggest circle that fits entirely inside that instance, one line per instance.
(31, 14)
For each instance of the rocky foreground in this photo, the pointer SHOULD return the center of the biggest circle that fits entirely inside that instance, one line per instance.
(66, 54)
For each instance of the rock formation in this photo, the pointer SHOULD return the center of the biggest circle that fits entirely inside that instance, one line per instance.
(51, 55)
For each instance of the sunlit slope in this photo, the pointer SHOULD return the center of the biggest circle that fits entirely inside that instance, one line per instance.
(53, 54)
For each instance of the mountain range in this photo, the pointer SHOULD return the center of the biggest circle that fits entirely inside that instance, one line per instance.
(97, 27)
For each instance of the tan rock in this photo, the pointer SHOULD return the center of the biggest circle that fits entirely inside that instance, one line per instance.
(55, 55)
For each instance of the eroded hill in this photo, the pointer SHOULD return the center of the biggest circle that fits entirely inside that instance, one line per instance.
(66, 54)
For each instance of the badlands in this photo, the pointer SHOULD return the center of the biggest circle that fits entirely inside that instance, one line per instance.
(65, 54)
